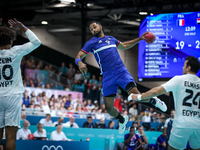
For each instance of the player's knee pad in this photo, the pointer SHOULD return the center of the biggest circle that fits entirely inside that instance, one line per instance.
(130, 86)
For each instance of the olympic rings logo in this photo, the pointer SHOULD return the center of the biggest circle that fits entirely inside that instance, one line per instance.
(52, 147)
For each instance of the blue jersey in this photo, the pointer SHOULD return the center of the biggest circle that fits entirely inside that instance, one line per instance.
(160, 140)
(105, 52)
(133, 142)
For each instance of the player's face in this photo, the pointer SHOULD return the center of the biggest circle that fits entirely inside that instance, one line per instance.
(95, 29)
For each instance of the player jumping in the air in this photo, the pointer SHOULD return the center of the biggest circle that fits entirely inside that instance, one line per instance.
(112, 68)
(11, 86)
(186, 93)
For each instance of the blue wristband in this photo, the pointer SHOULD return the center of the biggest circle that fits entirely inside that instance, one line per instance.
(77, 60)
(25, 26)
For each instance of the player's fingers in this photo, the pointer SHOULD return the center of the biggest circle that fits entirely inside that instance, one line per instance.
(15, 19)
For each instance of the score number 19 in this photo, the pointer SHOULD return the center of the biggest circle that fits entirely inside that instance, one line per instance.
(181, 44)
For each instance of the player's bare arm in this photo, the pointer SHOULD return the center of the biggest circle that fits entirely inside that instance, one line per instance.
(151, 93)
(82, 66)
(128, 44)
(16, 25)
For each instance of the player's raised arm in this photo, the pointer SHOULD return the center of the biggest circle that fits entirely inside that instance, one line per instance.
(34, 41)
(82, 66)
(128, 44)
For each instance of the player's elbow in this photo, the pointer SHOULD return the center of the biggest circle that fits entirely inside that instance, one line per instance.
(37, 42)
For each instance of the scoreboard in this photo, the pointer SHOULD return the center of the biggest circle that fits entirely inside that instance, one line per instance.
(177, 36)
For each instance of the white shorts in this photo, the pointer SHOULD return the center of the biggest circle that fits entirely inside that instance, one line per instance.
(180, 136)
(10, 110)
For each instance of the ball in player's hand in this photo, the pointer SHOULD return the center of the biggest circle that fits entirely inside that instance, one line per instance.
(150, 37)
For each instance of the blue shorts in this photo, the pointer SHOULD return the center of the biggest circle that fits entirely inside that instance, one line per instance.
(131, 148)
(113, 79)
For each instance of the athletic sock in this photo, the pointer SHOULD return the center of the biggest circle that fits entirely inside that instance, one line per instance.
(152, 101)
(120, 118)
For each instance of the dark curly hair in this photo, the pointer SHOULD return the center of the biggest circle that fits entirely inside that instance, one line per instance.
(193, 63)
(7, 35)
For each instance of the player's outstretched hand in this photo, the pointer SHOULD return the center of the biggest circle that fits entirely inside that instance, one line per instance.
(1, 21)
(143, 35)
(14, 24)
(82, 68)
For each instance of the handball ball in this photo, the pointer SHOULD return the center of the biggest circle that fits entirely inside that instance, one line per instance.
(150, 37)
(30, 136)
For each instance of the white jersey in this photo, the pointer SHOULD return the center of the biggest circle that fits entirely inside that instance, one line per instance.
(10, 72)
(186, 93)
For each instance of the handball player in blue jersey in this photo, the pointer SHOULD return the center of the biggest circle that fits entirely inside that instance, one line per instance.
(132, 141)
(112, 68)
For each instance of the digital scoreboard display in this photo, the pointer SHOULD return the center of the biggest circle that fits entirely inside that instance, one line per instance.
(177, 36)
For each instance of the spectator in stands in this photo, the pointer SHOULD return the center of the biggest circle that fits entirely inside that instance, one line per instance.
(68, 102)
(90, 105)
(47, 86)
(45, 107)
(71, 123)
(63, 69)
(23, 116)
(40, 131)
(26, 100)
(99, 88)
(135, 125)
(158, 117)
(143, 137)
(153, 117)
(38, 83)
(85, 79)
(132, 141)
(77, 75)
(40, 66)
(66, 88)
(46, 68)
(93, 87)
(161, 141)
(70, 75)
(77, 101)
(103, 107)
(59, 122)
(59, 135)
(140, 116)
(151, 111)
(96, 105)
(99, 114)
(51, 69)
(111, 125)
(23, 132)
(59, 86)
(147, 117)
(46, 121)
(168, 126)
(133, 111)
(33, 66)
(88, 123)
(100, 124)
(79, 86)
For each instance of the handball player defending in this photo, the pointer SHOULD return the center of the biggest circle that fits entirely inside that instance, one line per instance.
(11, 87)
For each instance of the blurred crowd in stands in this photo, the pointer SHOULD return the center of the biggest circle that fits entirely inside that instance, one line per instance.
(64, 106)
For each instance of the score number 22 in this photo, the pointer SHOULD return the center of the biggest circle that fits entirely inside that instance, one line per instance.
(181, 44)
